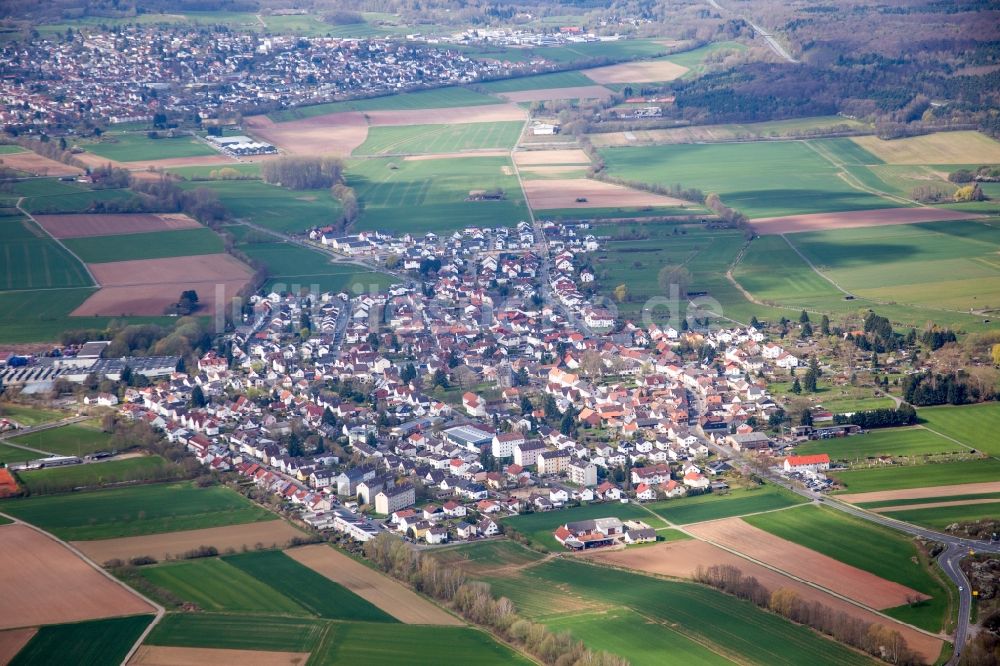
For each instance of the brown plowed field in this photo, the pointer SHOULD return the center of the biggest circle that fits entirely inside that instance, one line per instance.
(78, 226)
(934, 505)
(147, 286)
(34, 163)
(94, 161)
(12, 641)
(332, 134)
(557, 193)
(156, 655)
(550, 157)
(456, 115)
(681, 559)
(564, 168)
(918, 493)
(790, 224)
(637, 72)
(270, 533)
(394, 598)
(804, 563)
(548, 94)
(43, 582)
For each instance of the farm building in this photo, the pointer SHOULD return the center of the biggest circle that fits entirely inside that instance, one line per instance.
(544, 129)
(815, 463)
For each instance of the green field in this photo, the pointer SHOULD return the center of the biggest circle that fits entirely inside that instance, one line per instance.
(135, 511)
(969, 424)
(97, 642)
(539, 526)
(215, 585)
(153, 245)
(29, 416)
(918, 476)
(625, 212)
(311, 590)
(775, 274)
(291, 268)
(737, 502)
(237, 632)
(75, 201)
(926, 500)
(139, 147)
(11, 149)
(70, 440)
(859, 543)
(30, 259)
(759, 179)
(412, 645)
(430, 195)
(12, 454)
(425, 99)
(890, 442)
(91, 475)
(273, 207)
(941, 517)
(416, 139)
(486, 555)
(569, 79)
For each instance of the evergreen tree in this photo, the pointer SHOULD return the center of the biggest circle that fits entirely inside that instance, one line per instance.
(824, 325)
(197, 398)
(804, 317)
(568, 424)
(796, 386)
(809, 381)
(807, 331)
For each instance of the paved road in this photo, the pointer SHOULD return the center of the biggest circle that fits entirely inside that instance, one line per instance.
(772, 43)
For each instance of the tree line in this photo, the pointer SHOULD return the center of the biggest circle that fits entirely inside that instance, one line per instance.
(953, 388)
(904, 415)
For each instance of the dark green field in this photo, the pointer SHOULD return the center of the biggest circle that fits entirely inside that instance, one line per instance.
(91, 475)
(70, 440)
(96, 643)
(149, 509)
(292, 268)
(138, 147)
(271, 206)
(30, 259)
(238, 632)
(12, 454)
(73, 200)
(424, 99)
(940, 517)
(569, 79)
(539, 526)
(918, 476)
(154, 245)
(969, 424)
(926, 500)
(714, 506)
(315, 592)
(893, 441)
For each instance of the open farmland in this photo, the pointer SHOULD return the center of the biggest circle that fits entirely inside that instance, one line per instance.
(416, 139)
(237, 632)
(735, 503)
(940, 148)
(539, 526)
(789, 224)
(150, 509)
(134, 467)
(969, 424)
(431, 195)
(311, 590)
(438, 98)
(882, 498)
(28, 416)
(370, 585)
(69, 440)
(796, 127)
(774, 274)
(562, 156)
(486, 556)
(93, 642)
(83, 225)
(265, 533)
(11, 642)
(551, 94)
(147, 245)
(873, 548)
(154, 655)
(292, 267)
(75, 200)
(567, 193)
(274, 207)
(138, 147)
(940, 517)
(917, 476)
(568, 79)
(30, 259)
(44, 582)
(890, 442)
(331, 134)
(759, 179)
(36, 165)
(643, 71)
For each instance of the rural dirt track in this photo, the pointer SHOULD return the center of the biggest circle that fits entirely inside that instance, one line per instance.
(269, 533)
(147, 286)
(637, 72)
(935, 505)
(551, 157)
(78, 226)
(804, 563)
(12, 641)
(548, 94)
(918, 493)
(788, 224)
(681, 559)
(34, 163)
(156, 655)
(43, 582)
(394, 598)
(563, 193)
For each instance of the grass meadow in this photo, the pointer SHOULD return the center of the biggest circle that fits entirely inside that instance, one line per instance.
(139, 147)
(78, 200)
(913, 441)
(29, 416)
(873, 548)
(713, 506)
(135, 511)
(417, 139)
(12, 454)
(918, 476)
(969, 424)
(70, 440)
(30, 259)
(153, 245)
(58, 479)
(436, 98)
(567, 79)
(274, 207)
(92, 642)
(486, 555)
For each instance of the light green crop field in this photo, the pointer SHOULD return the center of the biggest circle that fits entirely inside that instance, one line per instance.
(28, 416)
(873, 548)
(70, 440)
(12, 454)
(274, 207)
(759, 179)
(437, 98)
(215, 585)
(973, 425)
(94, 642)
(918, 476)
(75, 201)
(430, 195)
(774, 273)
(60, 479)
(927, 500)
(941, 517)
(309, 589)
(135, 511)
(30, 259)
(889, 442)
(737, 502)
(622, 213)
(153, 245)
(419, 139)
(539, 526)
(486, 555)
(569, 79)
(139, 147)
(238, 632)
(614, 51)
(945, 265)
(293, 268)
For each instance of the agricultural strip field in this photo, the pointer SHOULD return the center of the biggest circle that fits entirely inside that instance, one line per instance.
(271, 206)
(383, 592)
(715, 506)
(873, 548)
(149, 245)
(29, 259)
(539, 526)
(149, 509)
(81, 225)
(243, 536)
(309, 589)
(917, 476)
(237, 632)
(36, 165)
(969, 424)
(138, 147)
(95, 642)
(736, 131)
(107, 472)
(158, 655)
(415, 139)
(69, 440)
(77, 200)
(645, 71)
(486, 556)
(550, 94)
(431, 195)
(44, 582)
(965, 147)
(759, 179)
(292, 268)
(929, 494)
(438, 98)
(725, 624)
(561, 156)
(584, 193)
(568, 79)
(790, 224)
(940, 517)
(942, 500)
(774, 274)
(890, 442)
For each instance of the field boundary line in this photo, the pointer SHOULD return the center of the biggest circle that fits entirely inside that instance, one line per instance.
(711, 647)
(811, 265)
(853, 180)
(952, 439)
(58, 242)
